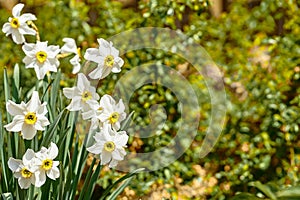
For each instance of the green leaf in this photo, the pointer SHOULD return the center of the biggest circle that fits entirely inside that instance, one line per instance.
(264, 188)
(292, 192)
(245, 196)
(7, 196)
(120, 189)
(106, 192)
(127, 121)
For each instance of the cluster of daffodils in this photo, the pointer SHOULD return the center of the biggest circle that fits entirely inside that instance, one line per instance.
(105, 114)
(34, 167)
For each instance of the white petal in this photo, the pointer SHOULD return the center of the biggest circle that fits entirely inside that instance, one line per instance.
(34, 102)
(121, 139)
(6, 28)
(28, 131)
(16, 125)
(113, 163)
(93, 54)
(14, 109)
(70, 92)
(25, 30)
(24, 183)
(105, 72)
(82, 82)
(69, 46)
(16, 11)
(27, 17)
(52, 151)
(116, 155)
(40, 178)
(95, 149)
(96, 73)
(28, 156)
(105, 157)
(53, 173)
(14, 164)
(17, 37)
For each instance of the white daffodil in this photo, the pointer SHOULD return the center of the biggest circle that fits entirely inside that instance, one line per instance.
(29, 117)
(41, 57)
(83, 96)
(107, 58)
(93, 114)
(112, 113)
(70, 47)
(17, 26)
(47, 166)
(109, 145)
(24, 170)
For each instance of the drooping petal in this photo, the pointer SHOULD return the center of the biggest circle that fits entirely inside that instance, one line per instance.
(28, 131)
(40, 178)
(105, 157)
(17, 37)
(16, 125)
(69, 46)
(24, 183)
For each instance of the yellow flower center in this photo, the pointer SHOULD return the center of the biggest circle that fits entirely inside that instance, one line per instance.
(26, 173)
(109, 146)
(41, 56)
(109, 61)
(86, 95)
(15, 23)
(47, 164)
(114, 117)
(30, 118)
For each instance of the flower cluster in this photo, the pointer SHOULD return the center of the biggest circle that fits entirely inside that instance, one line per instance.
(105, 114)
(34, 167)
(28, 117)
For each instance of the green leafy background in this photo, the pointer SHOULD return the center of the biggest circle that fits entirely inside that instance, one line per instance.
(256, 46)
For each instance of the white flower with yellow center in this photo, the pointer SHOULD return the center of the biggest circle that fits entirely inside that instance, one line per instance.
(41, 57)
(17, 26)
(28, 118)
(107, 58)
(24, 170)
(113, 113)
(109, 145)
(46, 163)
(83, 96)
(70, 47)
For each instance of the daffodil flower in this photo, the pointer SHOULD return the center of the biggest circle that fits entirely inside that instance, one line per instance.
(47, 165)
(41, 57)
(17, 26)
(83, 96)
(109, 145)
(107, 58)
(70, 47)
(112, 112)
(24, 170)
(28, 118)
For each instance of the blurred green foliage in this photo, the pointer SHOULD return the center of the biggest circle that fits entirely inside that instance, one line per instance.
(256, 46)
